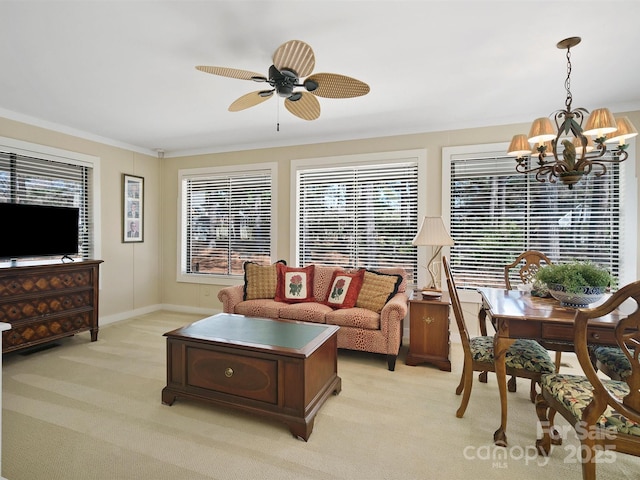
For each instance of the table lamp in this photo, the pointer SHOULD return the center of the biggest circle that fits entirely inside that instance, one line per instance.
(433, 233)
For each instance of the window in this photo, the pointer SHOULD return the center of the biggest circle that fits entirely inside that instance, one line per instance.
(35, 174)
(226, 220)
(360, 213)
(496, 213)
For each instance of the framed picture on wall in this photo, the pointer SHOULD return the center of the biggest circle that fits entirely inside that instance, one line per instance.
(132, 208)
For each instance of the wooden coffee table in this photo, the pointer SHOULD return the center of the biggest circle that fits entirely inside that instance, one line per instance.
(280, 369)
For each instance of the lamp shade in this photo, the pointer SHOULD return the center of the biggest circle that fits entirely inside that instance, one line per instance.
(519, 146)
(432, 232)
(625, 130)
(600, 122)
(541, 130)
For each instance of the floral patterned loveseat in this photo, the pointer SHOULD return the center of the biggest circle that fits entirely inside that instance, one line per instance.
(369, 306)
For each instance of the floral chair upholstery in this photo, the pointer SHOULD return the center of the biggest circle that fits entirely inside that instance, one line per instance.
(611, 361)
(525, 358)
(605, 413)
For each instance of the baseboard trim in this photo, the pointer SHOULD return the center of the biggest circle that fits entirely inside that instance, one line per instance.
(117, 317)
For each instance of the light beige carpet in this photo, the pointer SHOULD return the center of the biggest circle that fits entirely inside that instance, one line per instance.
(88, 411)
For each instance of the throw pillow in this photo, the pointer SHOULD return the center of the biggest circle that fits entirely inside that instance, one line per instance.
(260, 280)
(294, 284)
(377, 289)
(344, 289)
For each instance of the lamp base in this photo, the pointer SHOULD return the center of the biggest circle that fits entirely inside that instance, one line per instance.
(431, 293)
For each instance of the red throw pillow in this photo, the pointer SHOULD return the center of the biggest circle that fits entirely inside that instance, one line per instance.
(294, 284)
(344, 289)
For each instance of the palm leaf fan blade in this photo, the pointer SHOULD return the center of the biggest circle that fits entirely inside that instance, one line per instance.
(249, 100)
(296, 56)
(333, 85)
(230, 72)
(306, 108)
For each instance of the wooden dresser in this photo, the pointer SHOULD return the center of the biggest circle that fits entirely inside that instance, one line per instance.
(44, 301)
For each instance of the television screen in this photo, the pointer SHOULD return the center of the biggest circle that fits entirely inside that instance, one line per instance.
(38, 230)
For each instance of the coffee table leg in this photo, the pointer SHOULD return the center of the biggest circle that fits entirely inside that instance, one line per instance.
(168, 397)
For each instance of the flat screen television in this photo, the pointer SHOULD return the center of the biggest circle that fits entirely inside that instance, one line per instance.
(38, 230)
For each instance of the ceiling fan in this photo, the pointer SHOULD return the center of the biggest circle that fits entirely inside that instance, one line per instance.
(291, 61)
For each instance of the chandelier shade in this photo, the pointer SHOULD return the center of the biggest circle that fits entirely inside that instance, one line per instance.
(600, 123)
(568, 152)
(541, 130)
(519, 145)
(625, 130)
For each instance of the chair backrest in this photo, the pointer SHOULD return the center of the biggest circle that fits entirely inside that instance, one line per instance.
(627, 334)
(529, 263)
(457, 307)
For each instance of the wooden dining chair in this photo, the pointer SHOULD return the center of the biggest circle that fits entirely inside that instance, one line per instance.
(524, 358)
(526, 265)
(605, 413)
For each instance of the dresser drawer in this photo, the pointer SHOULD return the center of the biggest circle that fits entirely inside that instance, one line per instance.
(44, 282)
(235, 374)
(34, 307)
(33, 332)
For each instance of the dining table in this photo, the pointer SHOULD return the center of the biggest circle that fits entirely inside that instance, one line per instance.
(518, 314)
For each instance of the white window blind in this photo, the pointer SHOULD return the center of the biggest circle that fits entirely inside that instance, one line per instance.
(359, 216)
(497, 213)
(37, 181)
(228, 221)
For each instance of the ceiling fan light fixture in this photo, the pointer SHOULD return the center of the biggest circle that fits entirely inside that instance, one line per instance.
(292, 61)
(310, 85)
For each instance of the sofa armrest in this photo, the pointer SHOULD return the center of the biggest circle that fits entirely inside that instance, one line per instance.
(393, 312)
(230, 297)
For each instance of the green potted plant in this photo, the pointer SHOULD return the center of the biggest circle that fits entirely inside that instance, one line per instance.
(576, 283)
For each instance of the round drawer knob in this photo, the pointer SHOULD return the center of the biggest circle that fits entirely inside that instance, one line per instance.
(596, 336)
(228, 372)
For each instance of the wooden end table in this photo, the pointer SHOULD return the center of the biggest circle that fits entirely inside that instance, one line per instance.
(429, 331)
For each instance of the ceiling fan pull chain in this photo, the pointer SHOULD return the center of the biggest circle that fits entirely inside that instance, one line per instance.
(277, 116)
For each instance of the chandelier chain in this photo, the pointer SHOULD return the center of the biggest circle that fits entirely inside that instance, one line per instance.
(567, 82)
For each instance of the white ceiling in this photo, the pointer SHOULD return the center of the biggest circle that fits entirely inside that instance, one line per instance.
(122, 72)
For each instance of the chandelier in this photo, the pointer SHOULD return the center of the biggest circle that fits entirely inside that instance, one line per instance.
(583, 150)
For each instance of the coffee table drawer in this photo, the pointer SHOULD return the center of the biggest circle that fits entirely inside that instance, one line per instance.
(240, 375)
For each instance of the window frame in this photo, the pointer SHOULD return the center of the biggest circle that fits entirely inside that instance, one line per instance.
(361, 160)
(45, 152)
(183, 174)
(628, 202)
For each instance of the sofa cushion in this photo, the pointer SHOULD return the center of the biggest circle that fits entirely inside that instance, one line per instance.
(377, 289)
(305, 312)
(344, 289)
(396, 271)
(260, 280)
(354, 317)
(294, 284)
(322, 276)
(262, 308)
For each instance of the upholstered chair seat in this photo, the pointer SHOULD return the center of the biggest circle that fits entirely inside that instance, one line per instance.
(522, 354)
(611, 360)
(575, 393)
